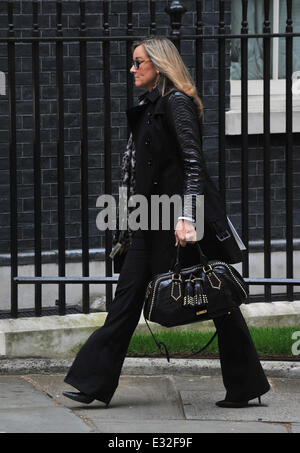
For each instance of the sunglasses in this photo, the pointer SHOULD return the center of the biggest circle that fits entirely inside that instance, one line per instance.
(137, 63)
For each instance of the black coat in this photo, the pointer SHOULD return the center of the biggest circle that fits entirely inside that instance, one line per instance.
(169, 161)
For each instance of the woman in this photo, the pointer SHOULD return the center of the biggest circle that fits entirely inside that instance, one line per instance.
(164, 156)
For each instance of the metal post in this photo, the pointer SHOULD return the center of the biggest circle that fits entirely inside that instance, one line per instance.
(244, 133)
(37, 159)
(107, 142)
(84, 161)
(222, 84)
(267, 150)
(175, 11)
(12, 145)
(289, 148)
(60, 159)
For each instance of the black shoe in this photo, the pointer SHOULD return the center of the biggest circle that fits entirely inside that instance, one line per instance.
(79, 397)
(234, 404)
(83, 398)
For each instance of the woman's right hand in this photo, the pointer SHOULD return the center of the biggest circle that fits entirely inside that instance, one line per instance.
(185, 232)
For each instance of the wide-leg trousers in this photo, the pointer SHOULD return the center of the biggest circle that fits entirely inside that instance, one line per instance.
(97, 367)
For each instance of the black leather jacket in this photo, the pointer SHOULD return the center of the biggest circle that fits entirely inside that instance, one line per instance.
(168, 147)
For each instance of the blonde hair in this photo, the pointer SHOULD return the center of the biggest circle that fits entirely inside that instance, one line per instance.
(173, 72)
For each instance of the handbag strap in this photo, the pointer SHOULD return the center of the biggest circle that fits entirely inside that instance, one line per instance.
(212, 338)
(207, 344)
(161, 345)
(177, 265)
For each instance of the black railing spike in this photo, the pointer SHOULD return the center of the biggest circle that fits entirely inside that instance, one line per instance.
(244, 23)
(152, 17)
(175, 10)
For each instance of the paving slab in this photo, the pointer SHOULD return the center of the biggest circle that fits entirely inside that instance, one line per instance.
(276, 408)
(25, 409)
(137, 398)
(18, 393)
(41, 420)
(280, 405)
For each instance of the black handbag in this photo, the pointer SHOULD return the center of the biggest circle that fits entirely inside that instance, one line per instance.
(198, 293)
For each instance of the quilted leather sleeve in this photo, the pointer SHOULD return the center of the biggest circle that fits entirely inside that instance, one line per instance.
(183, 121)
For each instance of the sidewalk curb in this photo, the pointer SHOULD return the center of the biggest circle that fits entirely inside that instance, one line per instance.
(144, 366)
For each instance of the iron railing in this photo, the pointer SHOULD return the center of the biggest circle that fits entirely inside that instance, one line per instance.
(175, 11)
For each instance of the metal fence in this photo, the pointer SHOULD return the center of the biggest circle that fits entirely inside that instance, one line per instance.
(175, 10)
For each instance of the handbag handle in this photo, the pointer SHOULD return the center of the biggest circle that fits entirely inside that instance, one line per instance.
(177, 266)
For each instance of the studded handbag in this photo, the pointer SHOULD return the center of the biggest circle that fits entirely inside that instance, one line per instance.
(197, 293)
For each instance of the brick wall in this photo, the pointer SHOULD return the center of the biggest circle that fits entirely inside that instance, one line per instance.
(256, 186)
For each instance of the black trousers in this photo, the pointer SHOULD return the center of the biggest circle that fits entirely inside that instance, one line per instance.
(97, 367)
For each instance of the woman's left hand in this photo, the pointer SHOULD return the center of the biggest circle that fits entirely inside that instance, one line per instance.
(185, 232)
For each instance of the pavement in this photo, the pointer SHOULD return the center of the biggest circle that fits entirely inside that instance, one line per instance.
(153, 397)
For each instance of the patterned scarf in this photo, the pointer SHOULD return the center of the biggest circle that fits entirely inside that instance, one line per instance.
(128, 181)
